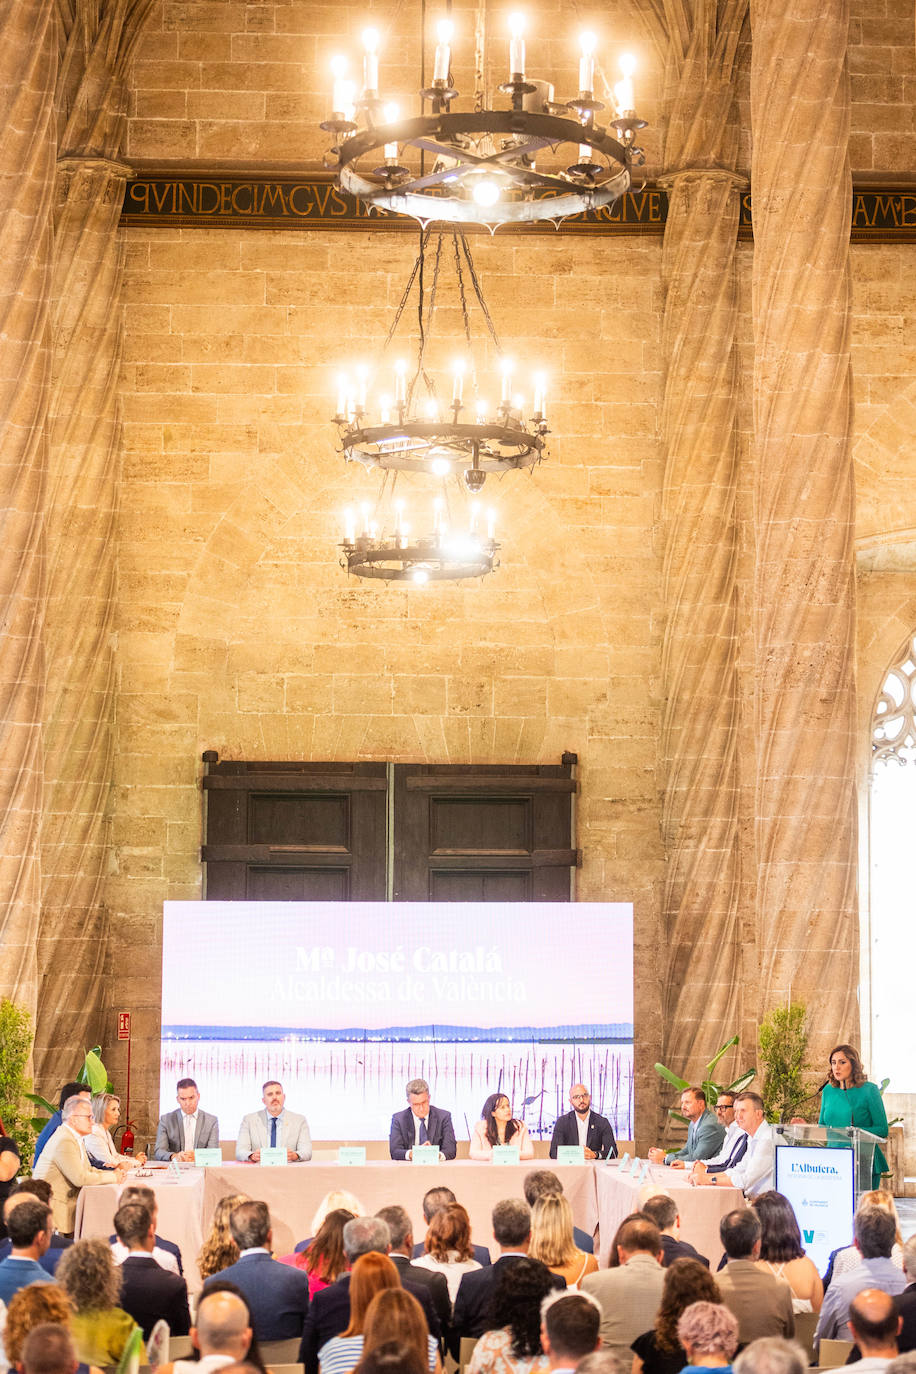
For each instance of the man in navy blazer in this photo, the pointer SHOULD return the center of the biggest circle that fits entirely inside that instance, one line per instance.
(277, 1295)
(599, 1139)
(421, 1124)
(329, 1313)
(148, 1292)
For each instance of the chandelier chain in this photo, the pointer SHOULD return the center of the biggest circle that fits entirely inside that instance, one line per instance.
(478, 292)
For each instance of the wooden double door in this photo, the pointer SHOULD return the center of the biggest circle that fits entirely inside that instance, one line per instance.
(377, 832)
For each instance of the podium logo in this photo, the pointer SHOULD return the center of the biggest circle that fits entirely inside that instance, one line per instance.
(828, 1169)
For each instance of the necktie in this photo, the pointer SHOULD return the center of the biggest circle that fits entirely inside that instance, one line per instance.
(424, 1133)
(738, 1152)
(189, 1133)
(273, 1132)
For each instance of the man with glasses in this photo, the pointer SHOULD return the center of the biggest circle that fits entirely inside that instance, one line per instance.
(725, 1115)
(66, 1166)
(584, 1127)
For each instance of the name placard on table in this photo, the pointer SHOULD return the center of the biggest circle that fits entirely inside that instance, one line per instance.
(351, 1154)
(570, 1154)
(424, 1154)
(505, 1154)
(272, 1158)
(208, 1159)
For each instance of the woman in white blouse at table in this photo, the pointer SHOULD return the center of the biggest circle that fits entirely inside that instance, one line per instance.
(499, 1127)
(100, 1147)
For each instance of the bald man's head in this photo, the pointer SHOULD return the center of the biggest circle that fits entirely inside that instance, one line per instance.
(223, 1326)
(874, 1322)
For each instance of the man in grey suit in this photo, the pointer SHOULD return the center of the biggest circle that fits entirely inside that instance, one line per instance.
(180, 1133)
(704, 1133)
(631, 1294)
(274, 1128)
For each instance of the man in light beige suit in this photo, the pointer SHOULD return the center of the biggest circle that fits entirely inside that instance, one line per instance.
(66, 1166)
(630, 1295)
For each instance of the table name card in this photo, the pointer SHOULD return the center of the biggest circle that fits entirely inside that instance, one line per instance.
(505, 1154)
(272, 1158)
(570, 1154)
(208, 1159)
(351, 1154)
(425, 1154)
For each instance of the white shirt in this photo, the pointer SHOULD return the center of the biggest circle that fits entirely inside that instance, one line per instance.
(732, 1133)
(164, 1258)
(77, 1137)
(190, 1129)
(755, 1172)
(582, 1127)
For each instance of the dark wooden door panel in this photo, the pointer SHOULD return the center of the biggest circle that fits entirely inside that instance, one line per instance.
(454, 886)
(321, 821)
(298, 884)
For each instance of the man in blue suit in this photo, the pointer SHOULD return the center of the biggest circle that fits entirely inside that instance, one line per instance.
(704, 1133)
(421, 1124)
(277, 1295)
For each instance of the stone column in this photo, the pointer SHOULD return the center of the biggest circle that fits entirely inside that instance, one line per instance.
(82, 512)
(807, 941)
(700, 725)
(28, 67)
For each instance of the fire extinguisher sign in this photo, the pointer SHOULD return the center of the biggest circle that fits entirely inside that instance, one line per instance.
(123, 1025)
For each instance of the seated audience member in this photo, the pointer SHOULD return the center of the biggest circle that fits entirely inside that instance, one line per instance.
(421, 1124)
(705, 1133)
(433, 1201)
(37, 1305)
(27, 1190)
(165, 1252)
(148, 1292)
(552, 1241)
(659, 1351)
(221, 1335)
(372, 1274)
(29, 1227)
(631, 1294)
(274, 1128)
(708, 1332)
(512, 1233)
(875, 1324)
(324, 1260)
(735, 1143)
(781, 1252)
(400, 1229)
(614, 1261)
(772, 1355)
(662, 1209)
(391, 1357)
(539, 1183)
(277, 1296)
(584, 1127)
(330, 1313)
(847, 1256)
(332, 1201)
(511, 1344)
(254, 1357)
(570, 1325)
(72, 1089)
(92, 1281)
(499, 1127)
(179, 1134)
(448, 1249)
(48, 1349)
(65, 1165)
(755, 1171)
(761, 1301)
(219, 1250)
(394, 1315)
(906, 1301)
(874, 1232)
(100, 1146)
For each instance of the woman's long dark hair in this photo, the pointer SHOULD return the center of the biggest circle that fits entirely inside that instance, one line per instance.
(516, 1304)
(325, 1256)
(780, 1238)
(512, 1126)
(686, 1281)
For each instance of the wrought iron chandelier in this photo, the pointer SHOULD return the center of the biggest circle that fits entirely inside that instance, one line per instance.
(485, 160)
(452, 549)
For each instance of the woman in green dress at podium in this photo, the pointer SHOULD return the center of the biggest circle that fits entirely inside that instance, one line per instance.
(848, 1099)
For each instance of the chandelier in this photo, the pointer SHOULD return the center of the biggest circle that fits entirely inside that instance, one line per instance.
(450, 550)
(410, 425)
(484, 161)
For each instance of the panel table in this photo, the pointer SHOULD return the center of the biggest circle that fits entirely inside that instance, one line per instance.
(701, 1209)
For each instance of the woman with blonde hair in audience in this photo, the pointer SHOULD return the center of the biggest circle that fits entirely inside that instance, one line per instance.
(33, 1306)
(372, 1273)
(782, 1253)
(324, 1260)
(448, 1249)
(219, 1250)
(659, 1351)
(708, 1331)
(395, 1315)
(552, 1241)
(92, 1281)
(331, 1202)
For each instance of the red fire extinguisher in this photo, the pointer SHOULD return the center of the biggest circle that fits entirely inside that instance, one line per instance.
(127, 1139)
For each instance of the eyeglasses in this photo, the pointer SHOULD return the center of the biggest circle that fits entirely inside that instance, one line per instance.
(580, 1097)
(725, 1107)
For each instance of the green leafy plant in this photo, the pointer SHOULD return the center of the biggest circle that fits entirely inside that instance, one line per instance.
(93, 1073)
(711, 1088)
(15, 1047)
(783, 1042)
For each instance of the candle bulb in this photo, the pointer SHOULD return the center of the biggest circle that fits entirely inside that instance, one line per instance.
(405, 536)
(349, 527)
(506, 393)
(384, 406)
(342, 389)
(400, 383)
(340, 95)
(392, 113)
(458, 383)
(472, 523)
(370, 61)
(517, 47)
(443, 53)
(540, 396)
(587, 64)
(364, 511)
(398, 517)
(623, 90)
(481, 411)
(491, 522)
(585, 155)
